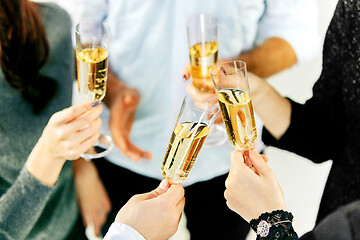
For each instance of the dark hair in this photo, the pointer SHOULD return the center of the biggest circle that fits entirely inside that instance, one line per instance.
(24, 49)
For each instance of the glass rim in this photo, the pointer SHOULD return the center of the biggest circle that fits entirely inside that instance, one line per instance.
(243, 66)
(103, 23)
(190, 24)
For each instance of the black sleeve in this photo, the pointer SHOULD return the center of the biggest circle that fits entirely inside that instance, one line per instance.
(317, 128)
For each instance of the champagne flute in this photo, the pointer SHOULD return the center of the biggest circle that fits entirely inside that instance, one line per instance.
(92, 40)
(190, 131)
(233, 94)
(202, 31)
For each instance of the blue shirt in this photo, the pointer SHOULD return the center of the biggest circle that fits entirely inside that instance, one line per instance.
(148, 50)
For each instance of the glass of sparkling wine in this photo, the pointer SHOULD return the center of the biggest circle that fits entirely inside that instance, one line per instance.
(190, 131)
(202, 31)
(233, 94)
(92, 40)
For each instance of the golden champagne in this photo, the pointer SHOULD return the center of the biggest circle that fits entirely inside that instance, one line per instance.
(184, 146)
(238, 114)
(202, 58)
(92, 73)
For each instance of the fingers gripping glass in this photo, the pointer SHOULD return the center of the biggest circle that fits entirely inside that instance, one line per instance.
(92, 40)
(190, 131)
(233, 94)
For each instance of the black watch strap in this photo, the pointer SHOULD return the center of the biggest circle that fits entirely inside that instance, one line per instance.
(276, 225)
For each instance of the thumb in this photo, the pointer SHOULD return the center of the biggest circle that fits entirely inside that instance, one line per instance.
(258, 162)
(162, 188)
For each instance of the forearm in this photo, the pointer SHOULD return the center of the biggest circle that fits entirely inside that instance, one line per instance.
(114, 87)
(272, 108)
(81, 167)
(21, 206)
(42, 166)
(272, 56)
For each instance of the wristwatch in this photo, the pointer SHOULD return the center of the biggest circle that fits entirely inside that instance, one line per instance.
(274, 225)
(263, 228)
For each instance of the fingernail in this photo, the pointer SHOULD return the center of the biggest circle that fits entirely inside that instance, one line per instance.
(163, 185)
(94, 104)
(184, 78)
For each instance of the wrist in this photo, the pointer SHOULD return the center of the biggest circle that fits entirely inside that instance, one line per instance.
(43, 166)
(277, 223)
(83, 168)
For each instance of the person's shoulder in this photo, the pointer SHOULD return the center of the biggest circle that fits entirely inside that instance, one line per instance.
(51, 10)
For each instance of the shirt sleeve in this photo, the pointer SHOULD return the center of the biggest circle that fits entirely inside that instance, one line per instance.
(295, 21)
(308, 133)
(21, 206)
(120, 231)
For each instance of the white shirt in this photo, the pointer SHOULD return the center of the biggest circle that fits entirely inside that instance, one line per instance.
(120, 231)
(148, 51)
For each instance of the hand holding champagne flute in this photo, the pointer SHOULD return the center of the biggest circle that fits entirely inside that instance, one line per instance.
(202, 31)
(233, 93)
(203, 49)
(92, 40)
(190, 131)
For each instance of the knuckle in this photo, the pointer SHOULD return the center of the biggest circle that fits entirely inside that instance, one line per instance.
(92, 140)
(125, 147)
(59, 134)
(226, 194)
(182, 191)
(167, 206)
(74, 151)
(68, 146)
(229, 205)
(96, 125)
(84, 121)
(228, 183)
(71, 110)
(92, 129)
(54, 118)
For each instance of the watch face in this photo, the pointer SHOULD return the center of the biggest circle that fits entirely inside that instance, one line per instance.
(263, 228)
